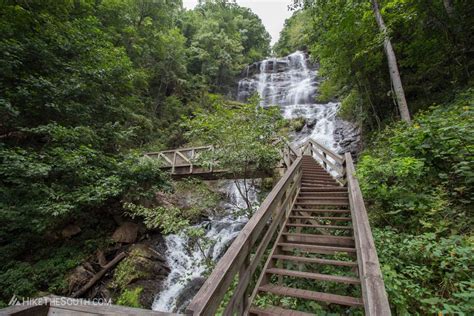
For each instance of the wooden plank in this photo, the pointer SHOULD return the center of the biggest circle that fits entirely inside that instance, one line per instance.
(373, 289)
(322, 211)
(319, 226)
(323, 198)
(324, 203)
(312, 295)
(273, 311)
(184, 157)
(321, 218)
(316, 260)
(314, 276)
(327, 240)
(317, 249)
(323, 189)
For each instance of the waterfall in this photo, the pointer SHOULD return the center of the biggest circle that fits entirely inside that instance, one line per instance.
(187, 261)
(291, 84)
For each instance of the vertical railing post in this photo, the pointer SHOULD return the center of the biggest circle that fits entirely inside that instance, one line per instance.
(193, 153)
(173, 167)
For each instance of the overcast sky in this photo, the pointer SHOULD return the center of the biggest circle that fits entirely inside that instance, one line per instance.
(272, 12)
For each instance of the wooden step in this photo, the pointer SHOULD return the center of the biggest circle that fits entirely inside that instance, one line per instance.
(326, 240)
(341, 193)
(317, 185)
(319, 226)
(318, 198)
(316, 177)
(316, 260)
(311, 295)
(324, 202)
(275, 311)
(327, 250)
(336, 188)
(317, 182)
(313, 276)
(322, 211)
(329, 218)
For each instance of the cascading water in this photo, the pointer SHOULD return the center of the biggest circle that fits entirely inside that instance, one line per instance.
(187, 260)
(289, 83)
(292, 85)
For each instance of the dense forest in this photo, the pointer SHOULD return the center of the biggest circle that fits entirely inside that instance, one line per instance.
(417, 178)
(88, 86)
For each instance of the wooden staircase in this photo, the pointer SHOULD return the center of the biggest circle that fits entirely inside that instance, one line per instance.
(308, 246)
(318, 229)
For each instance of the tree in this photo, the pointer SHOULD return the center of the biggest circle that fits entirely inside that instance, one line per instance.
(392, 65)
(243, 136)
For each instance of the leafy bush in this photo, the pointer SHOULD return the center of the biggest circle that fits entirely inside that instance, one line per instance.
(420, 178)
(418, 183)
(425, 275)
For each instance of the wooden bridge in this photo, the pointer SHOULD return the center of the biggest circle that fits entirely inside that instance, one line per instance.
(311, 232)
(186, 162)
(310, 241)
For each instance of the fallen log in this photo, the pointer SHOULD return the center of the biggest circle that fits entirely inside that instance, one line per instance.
(99, 274)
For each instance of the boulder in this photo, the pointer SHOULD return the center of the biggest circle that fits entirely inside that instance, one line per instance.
(126, 233)
(70, 230)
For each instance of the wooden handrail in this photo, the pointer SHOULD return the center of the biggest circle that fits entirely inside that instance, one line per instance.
(313, 148)
(240, 258)
(373, 289)
(181, 158)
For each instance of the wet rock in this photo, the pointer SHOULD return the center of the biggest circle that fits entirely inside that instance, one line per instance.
(311, 122)
(126, 233)
(186, 295)
(347, 137)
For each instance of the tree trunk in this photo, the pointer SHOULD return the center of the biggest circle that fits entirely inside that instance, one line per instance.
(392, 65)
(448, 5)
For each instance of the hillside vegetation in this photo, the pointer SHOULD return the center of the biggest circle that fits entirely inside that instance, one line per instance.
(86, 88)
(417, 179)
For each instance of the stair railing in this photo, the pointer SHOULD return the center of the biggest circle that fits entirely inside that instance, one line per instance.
(248, 251)
(326, 157)
(373, 288)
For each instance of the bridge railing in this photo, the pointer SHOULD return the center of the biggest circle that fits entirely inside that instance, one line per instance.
(248, 250)
(183, 160)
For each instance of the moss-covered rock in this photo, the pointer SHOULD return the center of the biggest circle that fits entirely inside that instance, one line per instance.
(137, 278)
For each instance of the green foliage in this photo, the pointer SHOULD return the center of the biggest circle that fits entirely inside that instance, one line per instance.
(223, 37)
(431, 46)
(85, 83)
(241, 133)
(420, 177)
(167, 219)
(295, 34)
(417, 182)
(130, 297)
(424, 274)
(125, 273)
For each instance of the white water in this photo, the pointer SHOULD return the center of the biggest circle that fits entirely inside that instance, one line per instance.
(289, 83)
(187, 263)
